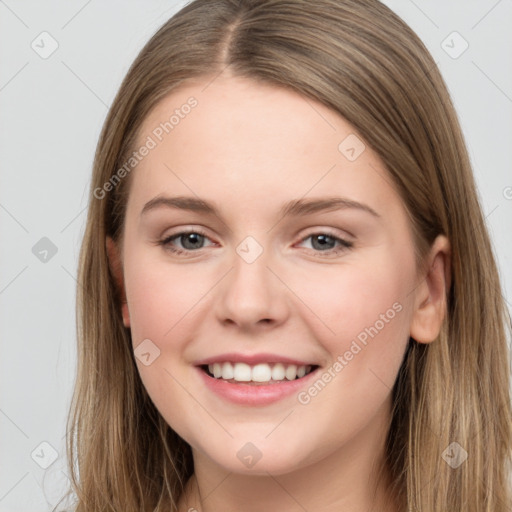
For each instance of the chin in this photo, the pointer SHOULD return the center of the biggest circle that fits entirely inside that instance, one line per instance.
(257, 457)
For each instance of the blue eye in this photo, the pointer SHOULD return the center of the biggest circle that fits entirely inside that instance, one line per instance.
(188, 238)
(191, 241)
(325, 243)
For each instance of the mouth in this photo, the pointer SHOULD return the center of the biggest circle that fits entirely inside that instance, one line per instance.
(262, 374)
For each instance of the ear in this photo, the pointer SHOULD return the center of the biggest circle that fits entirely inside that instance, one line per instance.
(116, 268)
(430, 296)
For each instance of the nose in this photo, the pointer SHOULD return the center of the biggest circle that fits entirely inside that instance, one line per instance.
(251, 295)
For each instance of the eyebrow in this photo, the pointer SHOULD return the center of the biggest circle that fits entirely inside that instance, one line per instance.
(297, 207)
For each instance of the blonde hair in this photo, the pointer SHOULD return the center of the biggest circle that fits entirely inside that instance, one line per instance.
(361, 60)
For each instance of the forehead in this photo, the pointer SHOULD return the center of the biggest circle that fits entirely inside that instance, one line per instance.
(246, 116)
(240, 139)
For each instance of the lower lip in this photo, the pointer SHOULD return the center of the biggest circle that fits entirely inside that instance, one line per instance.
(255, 394)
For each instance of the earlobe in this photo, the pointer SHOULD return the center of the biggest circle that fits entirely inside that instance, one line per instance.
(116, 269)
(431, 295)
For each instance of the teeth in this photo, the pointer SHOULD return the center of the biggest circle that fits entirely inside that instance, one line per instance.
(227, 371)
(262, 372)
(242, 372)
(217, 370)
(291, 372)
(278, 372)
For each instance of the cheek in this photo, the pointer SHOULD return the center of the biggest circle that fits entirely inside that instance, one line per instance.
(366, 310)
(165, 306)
(365, 313)
(160, 297)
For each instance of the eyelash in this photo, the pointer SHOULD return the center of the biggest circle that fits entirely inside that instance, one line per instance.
(345, 244)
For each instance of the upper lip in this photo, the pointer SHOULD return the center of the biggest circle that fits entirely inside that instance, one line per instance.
(252, 359)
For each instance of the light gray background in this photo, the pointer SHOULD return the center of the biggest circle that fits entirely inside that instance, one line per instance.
(51, 113)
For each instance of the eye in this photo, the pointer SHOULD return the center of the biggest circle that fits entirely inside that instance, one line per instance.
(191, 240)
(322, 242)
(325, 242)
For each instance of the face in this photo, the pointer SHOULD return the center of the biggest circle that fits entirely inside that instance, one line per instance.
(250, 282)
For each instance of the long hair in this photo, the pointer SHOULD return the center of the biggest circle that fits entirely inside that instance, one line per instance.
(361, 60)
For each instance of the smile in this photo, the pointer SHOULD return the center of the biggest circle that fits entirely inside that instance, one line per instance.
(260, 373)
(256, 385)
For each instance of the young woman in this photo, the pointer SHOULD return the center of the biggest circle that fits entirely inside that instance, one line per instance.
(288, 298)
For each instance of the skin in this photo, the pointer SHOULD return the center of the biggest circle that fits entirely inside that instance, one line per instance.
(249, 148)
